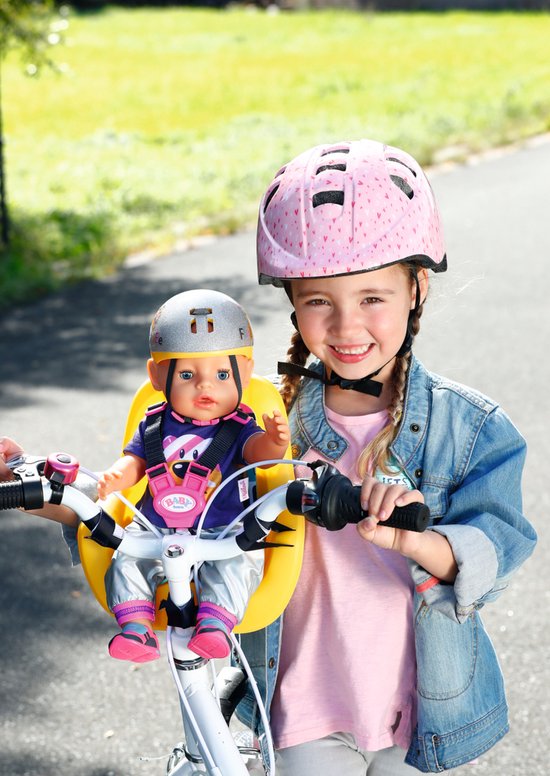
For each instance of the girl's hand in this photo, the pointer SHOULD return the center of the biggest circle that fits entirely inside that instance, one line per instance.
(277, 428)
(8, 449)
(61, 514)
(108, 482)
(379, 500)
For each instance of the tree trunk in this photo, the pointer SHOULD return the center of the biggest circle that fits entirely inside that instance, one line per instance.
(4, 217)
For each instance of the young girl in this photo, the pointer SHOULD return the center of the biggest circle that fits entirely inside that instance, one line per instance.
(380, 664)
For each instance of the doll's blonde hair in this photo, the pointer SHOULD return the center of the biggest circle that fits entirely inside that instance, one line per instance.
(376, 455)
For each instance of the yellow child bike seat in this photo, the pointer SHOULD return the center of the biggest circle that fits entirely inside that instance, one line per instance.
(282, 565)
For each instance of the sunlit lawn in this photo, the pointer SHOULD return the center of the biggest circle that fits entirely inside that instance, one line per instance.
(169, 122)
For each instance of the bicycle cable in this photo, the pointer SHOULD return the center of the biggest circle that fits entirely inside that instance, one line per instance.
(261, 707)
(133, 508)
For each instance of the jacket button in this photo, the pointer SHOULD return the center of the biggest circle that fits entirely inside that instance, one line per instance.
(333, 445)
(418, 473)
(415, 428)
(271, 663)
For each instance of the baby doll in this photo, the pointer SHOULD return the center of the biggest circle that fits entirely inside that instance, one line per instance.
(201, 359)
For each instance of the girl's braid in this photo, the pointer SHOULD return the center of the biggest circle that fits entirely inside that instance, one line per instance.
(377, 453)
(297, 354)
(399, 374)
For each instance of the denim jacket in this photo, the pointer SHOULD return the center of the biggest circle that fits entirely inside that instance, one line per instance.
(463, 453)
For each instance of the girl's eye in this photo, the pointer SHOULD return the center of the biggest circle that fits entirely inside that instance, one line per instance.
(316, 302)
(186, 375)
(372, 299)
(224, 374)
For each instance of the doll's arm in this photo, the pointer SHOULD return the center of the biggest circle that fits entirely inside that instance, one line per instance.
(124, 473)
(271, 444)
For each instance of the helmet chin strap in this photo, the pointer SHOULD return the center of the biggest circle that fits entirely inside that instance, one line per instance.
(169, 378)
(363, 385)
(237, 377)
(366, 384)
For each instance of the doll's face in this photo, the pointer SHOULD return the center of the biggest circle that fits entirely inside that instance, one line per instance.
(202, 388)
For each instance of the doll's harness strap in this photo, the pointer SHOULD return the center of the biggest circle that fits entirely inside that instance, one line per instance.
(180, 505)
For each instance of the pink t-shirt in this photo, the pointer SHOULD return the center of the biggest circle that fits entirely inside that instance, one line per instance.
(347, 654)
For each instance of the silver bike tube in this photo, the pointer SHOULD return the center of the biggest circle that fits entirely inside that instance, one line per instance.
(203, 721)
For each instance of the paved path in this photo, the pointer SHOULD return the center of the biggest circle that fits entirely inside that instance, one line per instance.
(69, 366)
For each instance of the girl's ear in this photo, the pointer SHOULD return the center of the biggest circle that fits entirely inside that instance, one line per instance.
(157, 374)
(423, 283)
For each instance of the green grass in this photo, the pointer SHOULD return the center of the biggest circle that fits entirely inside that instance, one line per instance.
(170, 122)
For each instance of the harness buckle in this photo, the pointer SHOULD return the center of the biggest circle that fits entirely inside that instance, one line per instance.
(178, 505)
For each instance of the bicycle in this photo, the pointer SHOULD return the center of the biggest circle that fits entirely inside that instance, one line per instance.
(327, 499)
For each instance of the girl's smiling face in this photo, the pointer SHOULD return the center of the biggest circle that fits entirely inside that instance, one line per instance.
(355, 324)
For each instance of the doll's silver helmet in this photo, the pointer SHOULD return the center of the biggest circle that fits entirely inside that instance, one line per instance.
(201, 322)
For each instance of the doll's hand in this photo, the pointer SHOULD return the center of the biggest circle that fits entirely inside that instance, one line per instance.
(379, 500)
(107, 482)
(277, 428)
(8, 449)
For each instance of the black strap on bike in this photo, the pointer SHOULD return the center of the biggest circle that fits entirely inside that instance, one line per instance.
(185, 617)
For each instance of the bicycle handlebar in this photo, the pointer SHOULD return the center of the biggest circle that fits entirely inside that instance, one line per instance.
(39, 481)
(328, 499)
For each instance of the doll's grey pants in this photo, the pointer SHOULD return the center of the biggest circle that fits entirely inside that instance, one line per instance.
(227, 583)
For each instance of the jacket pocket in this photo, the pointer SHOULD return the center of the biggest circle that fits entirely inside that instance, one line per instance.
(436, 497)
(446, 654)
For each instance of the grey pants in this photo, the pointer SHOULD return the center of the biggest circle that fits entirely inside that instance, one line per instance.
(227, 583)
(338, 755)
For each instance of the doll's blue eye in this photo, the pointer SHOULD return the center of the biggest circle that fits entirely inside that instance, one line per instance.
(224, 374)
(186, 375)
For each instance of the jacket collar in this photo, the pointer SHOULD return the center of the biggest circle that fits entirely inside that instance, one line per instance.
(411, 437)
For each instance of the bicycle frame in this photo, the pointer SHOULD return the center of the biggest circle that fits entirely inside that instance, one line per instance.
(209, 743)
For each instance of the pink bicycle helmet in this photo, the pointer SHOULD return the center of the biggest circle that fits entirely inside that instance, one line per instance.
(348, 207)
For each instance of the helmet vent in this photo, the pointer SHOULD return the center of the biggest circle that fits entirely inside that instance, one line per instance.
(402, 184)
(335, 151)
(394, 159)
(324, 167)
(270, 196)
(198, 313)
(328, 198)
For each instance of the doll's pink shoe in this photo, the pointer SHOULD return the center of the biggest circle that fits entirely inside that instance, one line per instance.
(211, 637)
(135, 643)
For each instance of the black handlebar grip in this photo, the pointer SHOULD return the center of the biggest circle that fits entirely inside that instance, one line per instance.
(11, 495)
(340, 505)
(412, 517)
